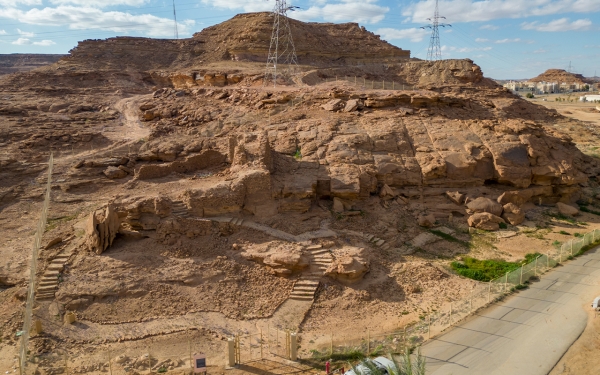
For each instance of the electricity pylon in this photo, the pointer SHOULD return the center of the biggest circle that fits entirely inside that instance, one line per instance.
(435, 51)
(281, 50)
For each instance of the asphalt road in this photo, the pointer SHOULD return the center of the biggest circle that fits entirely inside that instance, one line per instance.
(526, 333)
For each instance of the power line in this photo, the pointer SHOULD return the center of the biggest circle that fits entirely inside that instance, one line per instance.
(175, 19)
(281, 36)
(435, 51)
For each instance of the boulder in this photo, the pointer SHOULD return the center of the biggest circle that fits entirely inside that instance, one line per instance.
(566, 209)
(456, 197)
(426, 220)
(114, 173)
(517, 197)
(283, 259)
(483, 204)
(338, 205)
(333, 105)
(349, 264)
(386, 192)
(513, 214)
(351, 105)
(485, 221)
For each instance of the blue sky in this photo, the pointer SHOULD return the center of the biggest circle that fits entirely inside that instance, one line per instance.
(507, 38)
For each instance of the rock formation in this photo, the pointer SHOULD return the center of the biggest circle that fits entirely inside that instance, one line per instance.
(101, 229)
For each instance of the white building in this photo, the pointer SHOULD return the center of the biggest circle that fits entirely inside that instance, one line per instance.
(590, 98)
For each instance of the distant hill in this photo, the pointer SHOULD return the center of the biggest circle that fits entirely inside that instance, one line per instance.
(19, 62)
(561, 76)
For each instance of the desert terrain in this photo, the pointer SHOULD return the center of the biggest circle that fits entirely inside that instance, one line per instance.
(190, 202)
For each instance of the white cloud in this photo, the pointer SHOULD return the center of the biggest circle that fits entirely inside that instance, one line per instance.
(414, 34)
(482, 40)
(503, 41)
(3, 32)
(81, 18)
(540, 51)
(463, 49)
(344, 10)
(489, 27)
(348, 10)
(25, 33)
(15, 3)
(27, 42)
(100, 3)
(247, 6)
(561, 24)
(45, 43)
(22, 41)
(475, 10)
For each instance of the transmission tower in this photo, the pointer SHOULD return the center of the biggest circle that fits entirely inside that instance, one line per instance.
(175, 20)
(281, 50)
(435, 51)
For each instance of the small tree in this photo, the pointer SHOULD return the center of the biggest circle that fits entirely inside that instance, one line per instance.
(529, 96)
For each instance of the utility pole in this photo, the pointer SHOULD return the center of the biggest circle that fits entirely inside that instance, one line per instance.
(282, 48)
(435, 51)
(175, 20)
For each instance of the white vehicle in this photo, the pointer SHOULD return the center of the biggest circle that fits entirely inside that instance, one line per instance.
(382, 363)
(596, 303)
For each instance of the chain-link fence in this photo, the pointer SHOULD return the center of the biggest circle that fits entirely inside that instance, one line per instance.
(370, 84)
(37, 243)
(346, 347)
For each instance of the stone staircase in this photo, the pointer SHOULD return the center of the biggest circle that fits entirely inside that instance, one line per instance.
(48, 285)
(180, 209)
(320, 260)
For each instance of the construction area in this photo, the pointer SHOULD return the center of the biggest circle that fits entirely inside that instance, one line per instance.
(191, 202)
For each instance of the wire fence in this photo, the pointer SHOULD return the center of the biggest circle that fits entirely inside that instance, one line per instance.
(37, 243)
(370, 84)
(481, 295)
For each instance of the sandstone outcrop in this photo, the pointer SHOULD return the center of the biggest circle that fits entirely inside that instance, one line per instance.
(101, 229)
(483, 204)
(283, 259)
(485, 221)
(349, 265)
(513, 214)
(566, 209)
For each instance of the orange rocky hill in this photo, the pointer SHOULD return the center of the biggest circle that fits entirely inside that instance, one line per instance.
(560, 75)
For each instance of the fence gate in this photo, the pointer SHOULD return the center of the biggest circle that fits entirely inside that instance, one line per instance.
(248, 347)
(279, 342)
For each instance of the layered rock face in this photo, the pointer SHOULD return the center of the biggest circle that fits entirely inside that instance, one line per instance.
(18, 62)
(244, 38)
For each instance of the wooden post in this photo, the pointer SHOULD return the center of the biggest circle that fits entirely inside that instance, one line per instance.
(506, 282)
(471, 300)
(521, 279)
(429, 326)
(331, 345)
(109, 362)
(489, 290)
(190, 349)
(571, 247)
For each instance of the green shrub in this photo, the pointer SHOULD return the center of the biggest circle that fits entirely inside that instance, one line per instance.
(487, 270)
(565, 233)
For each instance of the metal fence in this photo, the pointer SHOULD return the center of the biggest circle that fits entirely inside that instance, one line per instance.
(37, 243)
(481, 295)
(370, 84)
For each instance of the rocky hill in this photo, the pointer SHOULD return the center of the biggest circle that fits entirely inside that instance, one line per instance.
(243, 38)
(18, 62)
(561, 76)
(185, 188)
